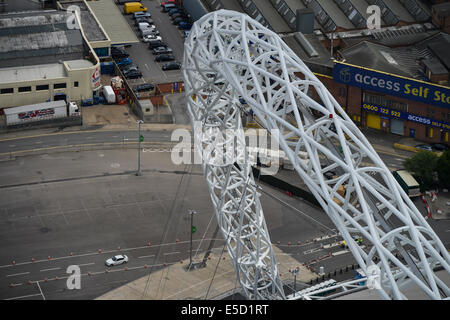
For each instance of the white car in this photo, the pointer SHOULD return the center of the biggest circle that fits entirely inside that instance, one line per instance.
(150, 37)
(116, 260)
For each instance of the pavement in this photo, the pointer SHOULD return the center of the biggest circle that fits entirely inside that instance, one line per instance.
(218, 277)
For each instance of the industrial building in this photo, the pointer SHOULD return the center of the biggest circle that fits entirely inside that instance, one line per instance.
(42, 58)
(393, 79)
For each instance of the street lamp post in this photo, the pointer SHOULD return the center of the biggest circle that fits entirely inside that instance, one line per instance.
(294, 272)
(191, 212)
(139, 148)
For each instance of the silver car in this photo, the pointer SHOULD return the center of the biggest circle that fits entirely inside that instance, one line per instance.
(116, 260)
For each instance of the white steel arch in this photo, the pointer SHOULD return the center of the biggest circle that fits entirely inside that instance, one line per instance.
(229, 56)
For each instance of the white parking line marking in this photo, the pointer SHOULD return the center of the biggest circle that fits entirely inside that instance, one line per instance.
(86, 264)
(152, 255)
(50, 269)
(40, 290)
(22, 297)
(17, 274)
(166, 254)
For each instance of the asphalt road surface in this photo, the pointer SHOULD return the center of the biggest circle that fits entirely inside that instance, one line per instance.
(60, 209)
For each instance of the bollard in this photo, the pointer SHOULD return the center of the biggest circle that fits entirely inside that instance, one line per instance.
(14, 262)
(71, 254)
(32, 259)
(346, 268)
(148, 243)
(99, 250)
(118, 248)
(48, 258)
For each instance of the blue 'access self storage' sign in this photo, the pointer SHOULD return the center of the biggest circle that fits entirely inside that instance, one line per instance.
(391, 84)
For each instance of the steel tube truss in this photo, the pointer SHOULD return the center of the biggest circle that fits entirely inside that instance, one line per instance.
(229, 56)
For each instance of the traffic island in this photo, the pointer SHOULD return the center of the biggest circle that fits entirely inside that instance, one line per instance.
(218, 277)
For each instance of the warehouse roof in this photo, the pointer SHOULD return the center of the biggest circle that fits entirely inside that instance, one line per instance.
(403, 61)
(32, 73)
(39, 37)
(91, 28)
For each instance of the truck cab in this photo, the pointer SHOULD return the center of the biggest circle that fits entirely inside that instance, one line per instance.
(73, 109)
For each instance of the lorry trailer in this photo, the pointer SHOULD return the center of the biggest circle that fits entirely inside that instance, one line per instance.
(41, 111)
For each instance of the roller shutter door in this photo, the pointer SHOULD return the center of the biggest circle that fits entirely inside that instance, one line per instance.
(397, 126)
(373, 121)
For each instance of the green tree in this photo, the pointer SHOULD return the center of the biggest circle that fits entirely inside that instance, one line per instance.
(443, 169)
(423, 165)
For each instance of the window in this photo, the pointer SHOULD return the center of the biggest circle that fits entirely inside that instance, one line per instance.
(75, 84)
(59, 86)
(42, 87)
(24, 89)
(385, 102)
(342, 92)
(6, 90)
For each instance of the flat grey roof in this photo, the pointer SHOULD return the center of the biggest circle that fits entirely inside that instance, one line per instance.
(113, 22)
(38, 37)
(38, 72)
(91, 28)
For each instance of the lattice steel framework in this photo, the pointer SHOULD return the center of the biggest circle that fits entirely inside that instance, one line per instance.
(229, 56)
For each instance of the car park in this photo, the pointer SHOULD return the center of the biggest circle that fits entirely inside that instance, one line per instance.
(425, 147)
(116, 260)
(161, 50)
(171, 66)
(143, 87)
(164, 57)
(133, 74)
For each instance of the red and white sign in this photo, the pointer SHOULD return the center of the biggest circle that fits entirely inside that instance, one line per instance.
(96, 78)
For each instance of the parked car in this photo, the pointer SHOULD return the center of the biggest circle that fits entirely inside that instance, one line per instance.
(129, 67)
(124, 62)
(184, 26)
(133, 74)
(164, 57)
(175, 10)
(149, 31)
(163, 3)
(161, 50)
(149, 37)
(118, 53)
(169, 6)
(178, 20)
(171, 66)
(116, 260)
(143, 20)
(439, 147)
(141, 14)
(143, 87)
(425, 147)
(179, 15)
(156, 44)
